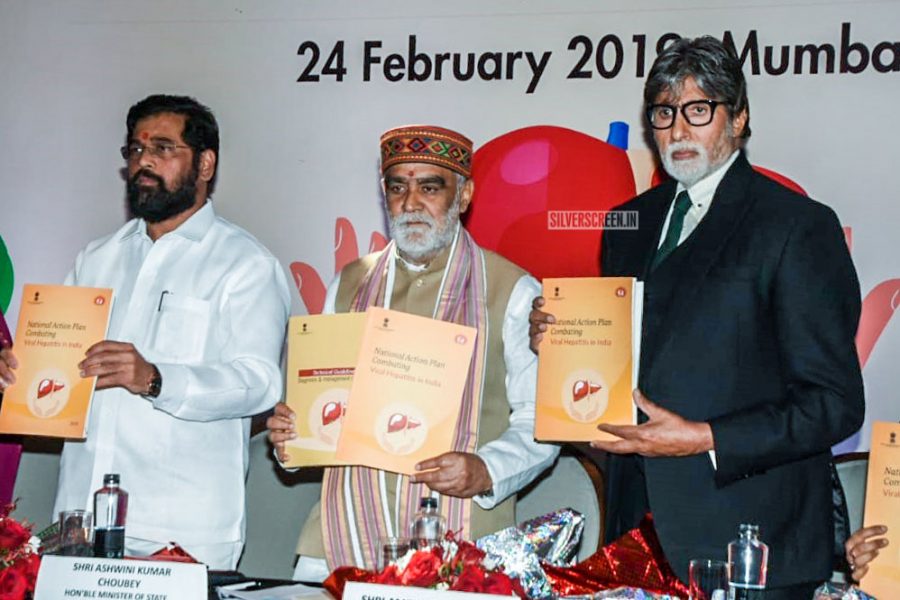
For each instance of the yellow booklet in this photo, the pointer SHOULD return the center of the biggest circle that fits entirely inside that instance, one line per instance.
(883, 508)
(57, 324)
(588, 361)
(322, 351)
(407, 390)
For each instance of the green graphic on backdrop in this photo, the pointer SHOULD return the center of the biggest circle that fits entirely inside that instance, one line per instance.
(6, 277)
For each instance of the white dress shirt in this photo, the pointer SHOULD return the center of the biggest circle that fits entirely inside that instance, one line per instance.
(514, 459)
(208, 305)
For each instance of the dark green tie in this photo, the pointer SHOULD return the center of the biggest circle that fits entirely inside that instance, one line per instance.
(676, 224)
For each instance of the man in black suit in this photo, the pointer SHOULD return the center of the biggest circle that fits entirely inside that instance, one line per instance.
(749, 372)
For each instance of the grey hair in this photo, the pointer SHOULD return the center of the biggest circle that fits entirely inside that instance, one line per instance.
(460, 183)
(714, 67)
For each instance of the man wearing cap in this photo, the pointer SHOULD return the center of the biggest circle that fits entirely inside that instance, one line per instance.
(433, 268)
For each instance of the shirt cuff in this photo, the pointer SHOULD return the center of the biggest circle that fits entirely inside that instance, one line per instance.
(174, 386)
(489, 500)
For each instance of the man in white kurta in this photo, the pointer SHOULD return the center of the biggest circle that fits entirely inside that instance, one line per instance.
(193, 347)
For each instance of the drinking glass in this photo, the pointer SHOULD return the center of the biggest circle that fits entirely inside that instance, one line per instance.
(708, 579)
(76, 532)
(392, 550)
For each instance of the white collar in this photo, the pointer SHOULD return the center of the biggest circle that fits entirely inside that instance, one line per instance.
(702, 192)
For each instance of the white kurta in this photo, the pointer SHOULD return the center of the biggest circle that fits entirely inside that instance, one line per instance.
(208, 305)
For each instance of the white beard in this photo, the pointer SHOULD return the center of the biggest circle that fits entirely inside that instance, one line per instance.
(418, 242)
(687, 172)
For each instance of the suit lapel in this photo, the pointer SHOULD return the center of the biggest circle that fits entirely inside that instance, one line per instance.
(730, 203)
(641, 243)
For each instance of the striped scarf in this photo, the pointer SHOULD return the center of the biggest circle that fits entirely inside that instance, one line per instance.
(355, 511)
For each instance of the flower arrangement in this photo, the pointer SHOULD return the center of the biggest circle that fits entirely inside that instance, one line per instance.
(19, 560)
(454, 565)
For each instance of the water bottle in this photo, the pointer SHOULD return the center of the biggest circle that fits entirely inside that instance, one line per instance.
(747, 560)
(428, 525)
(110, 508)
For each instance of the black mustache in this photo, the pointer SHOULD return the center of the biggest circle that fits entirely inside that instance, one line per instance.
(149, 175)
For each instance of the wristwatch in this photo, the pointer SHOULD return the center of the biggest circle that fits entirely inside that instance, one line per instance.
(488, 493)
(155, 384)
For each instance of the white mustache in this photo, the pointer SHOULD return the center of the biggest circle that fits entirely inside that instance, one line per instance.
(405, 219)
(681, 146)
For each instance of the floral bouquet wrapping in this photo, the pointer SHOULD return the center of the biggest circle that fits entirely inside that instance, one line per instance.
(19, 560)
(623, 593)
(840, 591)
(635, 560)
(550, 539)
(455, 565)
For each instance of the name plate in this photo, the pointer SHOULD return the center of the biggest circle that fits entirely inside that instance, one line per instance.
(65, 577)
(374, 591)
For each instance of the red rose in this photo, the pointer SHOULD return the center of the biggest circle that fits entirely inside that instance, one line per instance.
(29, 566)
(467, 553)
(389, 576)
(498, 583)
(471, 579)
(12, 585)
(12, 534)
(422, 570)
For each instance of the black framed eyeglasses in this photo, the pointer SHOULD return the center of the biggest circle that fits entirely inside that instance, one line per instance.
(697, 113)
(162, 150)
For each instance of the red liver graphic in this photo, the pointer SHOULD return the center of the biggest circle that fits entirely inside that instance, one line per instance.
(582, 388)
(399, 422)
(48, 386)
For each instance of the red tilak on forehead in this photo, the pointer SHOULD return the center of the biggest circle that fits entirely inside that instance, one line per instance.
(144, 136)
(410, 173)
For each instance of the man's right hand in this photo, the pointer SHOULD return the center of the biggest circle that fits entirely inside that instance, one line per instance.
(8, 362)
(863, 547)
(281, 428)
(538, 321)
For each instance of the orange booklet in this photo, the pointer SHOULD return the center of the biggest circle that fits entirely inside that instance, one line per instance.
(57, 324)
(883, 508)
(588, 361)
(322, 351)
(407, 390)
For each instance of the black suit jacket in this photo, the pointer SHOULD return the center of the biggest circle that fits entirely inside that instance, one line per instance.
(756, 337)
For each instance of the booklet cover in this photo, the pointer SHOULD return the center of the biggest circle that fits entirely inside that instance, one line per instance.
(57, 324)
(407, 390)
(322, 351)
(588, 361)
(883, 508)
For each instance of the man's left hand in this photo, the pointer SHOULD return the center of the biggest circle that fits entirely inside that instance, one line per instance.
(664, 434)
(455, 474)
(117, 364)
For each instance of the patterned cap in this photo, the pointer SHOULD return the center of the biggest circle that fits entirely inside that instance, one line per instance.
(428, 144)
